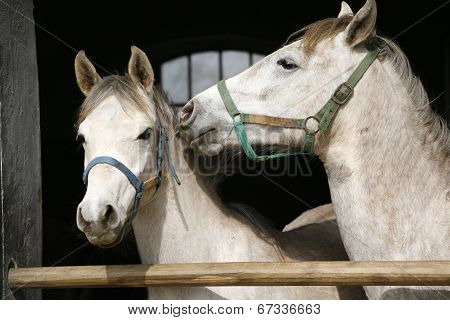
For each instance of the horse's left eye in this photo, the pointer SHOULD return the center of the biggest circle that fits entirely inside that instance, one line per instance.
(145, 135)
(287, 64)
(80, 139)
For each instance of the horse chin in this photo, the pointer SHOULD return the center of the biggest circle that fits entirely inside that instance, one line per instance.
(109, 239)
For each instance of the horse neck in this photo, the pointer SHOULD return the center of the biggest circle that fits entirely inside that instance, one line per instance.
(389, 190)
(189, 223)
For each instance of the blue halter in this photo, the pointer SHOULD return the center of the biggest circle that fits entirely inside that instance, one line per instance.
(140, 186)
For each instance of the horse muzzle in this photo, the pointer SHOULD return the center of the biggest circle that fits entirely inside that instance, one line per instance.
(100, 223)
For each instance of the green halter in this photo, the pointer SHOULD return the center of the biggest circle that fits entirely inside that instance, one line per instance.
(323, 117)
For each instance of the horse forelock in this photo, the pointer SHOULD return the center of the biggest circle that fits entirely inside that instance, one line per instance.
(130, 96)
(316, 32)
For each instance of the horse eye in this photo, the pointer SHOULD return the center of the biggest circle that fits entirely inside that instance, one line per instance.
(80, 139)
(145, 135)
(286, 64)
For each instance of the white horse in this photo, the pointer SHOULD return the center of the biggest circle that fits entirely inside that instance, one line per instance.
(176, 224)
(386, 152)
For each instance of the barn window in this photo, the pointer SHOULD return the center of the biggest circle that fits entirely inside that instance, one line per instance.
(185, 76)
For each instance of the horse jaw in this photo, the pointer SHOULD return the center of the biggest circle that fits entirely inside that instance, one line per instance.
(210, 149)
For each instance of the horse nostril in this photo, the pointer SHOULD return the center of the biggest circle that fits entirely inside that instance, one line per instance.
(82, 223)
(109, 212)
(110, 216)
(186, 112)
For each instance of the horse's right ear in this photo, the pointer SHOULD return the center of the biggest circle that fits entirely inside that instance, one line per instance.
(362, 25)
(87, 76)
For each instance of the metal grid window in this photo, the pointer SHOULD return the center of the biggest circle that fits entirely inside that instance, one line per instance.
(186, 76)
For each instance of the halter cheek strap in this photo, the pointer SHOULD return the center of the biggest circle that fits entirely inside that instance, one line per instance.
(323, 118)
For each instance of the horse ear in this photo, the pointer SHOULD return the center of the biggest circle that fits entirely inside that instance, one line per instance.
(87, 76)
(140, 69)
(345, 10)
(362, 25)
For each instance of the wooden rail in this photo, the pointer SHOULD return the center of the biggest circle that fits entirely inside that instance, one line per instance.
(342, 273)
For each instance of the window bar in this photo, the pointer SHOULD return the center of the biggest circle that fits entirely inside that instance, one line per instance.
(220, 66)
(190, 76)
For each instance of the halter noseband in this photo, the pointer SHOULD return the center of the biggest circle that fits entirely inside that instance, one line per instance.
(140, 186)
(323, 117)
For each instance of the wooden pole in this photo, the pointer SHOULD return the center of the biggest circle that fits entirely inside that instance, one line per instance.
(20, 145)
(342, 273)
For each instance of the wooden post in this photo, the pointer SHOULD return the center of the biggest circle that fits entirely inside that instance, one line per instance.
(315, 273)
(20, 156)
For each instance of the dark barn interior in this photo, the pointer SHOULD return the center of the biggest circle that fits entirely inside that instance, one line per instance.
(167, 30)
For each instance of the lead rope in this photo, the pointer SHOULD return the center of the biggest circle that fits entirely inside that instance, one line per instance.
(163, 147)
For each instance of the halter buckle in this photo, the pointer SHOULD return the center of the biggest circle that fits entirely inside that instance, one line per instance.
(342, 93)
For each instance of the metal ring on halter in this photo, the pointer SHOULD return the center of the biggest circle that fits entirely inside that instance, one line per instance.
(309, 131)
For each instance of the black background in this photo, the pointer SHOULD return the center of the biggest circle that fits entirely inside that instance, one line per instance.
(167, 29)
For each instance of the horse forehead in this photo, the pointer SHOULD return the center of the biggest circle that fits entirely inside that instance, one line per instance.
(111, 111)
(294, 47)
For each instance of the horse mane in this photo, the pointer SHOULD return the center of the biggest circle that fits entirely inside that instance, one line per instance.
(263, 227)
(435, 130)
